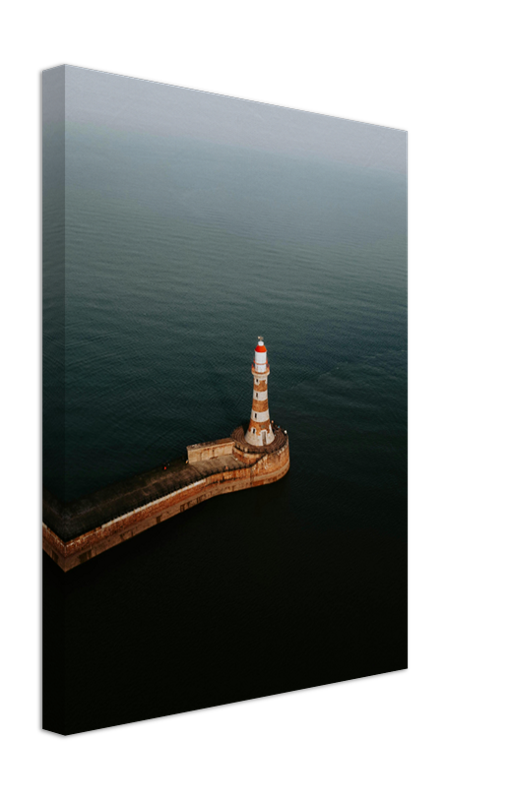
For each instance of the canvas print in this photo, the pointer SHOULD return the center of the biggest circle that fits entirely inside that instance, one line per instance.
(224, 400)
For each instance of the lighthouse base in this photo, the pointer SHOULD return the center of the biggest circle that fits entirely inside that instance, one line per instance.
(259, 437)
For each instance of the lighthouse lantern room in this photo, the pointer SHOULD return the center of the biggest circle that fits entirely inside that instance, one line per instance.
(259, 432)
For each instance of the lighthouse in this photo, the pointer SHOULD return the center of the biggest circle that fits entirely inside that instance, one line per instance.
(259, 432)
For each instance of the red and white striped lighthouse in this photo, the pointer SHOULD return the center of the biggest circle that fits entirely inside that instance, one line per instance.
(260, 430)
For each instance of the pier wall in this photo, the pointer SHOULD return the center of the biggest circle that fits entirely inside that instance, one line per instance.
(254, 469)
(201, 452)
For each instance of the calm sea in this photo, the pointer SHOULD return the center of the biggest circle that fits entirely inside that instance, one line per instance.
(179, 251)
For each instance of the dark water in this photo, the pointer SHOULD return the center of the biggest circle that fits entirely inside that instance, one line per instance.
(180, 249)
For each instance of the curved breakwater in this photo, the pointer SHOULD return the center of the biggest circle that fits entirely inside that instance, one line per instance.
(124, 510)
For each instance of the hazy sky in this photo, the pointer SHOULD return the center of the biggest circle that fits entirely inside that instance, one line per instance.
(133, 105)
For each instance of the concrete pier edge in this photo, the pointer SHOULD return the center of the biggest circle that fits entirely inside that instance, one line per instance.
(213, 468)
